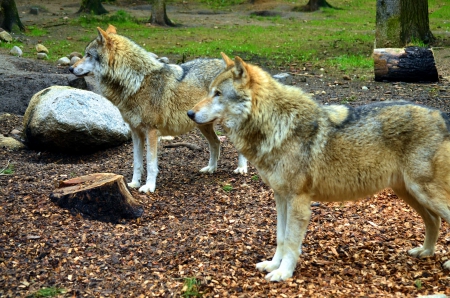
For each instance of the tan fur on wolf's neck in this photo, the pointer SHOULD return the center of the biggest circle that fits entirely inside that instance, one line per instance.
(286, 109)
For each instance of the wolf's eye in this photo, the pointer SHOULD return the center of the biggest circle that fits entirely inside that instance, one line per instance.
(217, 93)
(88, 55)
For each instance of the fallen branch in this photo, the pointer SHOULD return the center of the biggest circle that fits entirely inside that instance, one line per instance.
(188, 145)
(2, 171)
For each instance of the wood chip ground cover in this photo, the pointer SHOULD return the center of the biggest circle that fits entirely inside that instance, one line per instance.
(194, 227)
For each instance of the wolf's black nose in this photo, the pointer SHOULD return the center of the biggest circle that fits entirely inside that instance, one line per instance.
(191, 114)
(71, 69)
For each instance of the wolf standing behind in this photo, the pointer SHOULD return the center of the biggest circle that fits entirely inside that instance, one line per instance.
(152, 96)
(309, 152)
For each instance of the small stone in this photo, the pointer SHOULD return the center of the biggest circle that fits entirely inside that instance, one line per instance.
(283, 78)
(42, 56)
(5, 36)
(365, 88)
(40, 48)
(64, 61)
(74, 60)
(75, 54)
(16, 51)
(34, 10)
(347, 78)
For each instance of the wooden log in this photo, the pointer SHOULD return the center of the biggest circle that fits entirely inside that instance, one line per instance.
(100, 196)
(411, 64)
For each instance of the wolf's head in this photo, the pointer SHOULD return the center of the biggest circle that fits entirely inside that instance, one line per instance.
(90, 62)
(229, 100)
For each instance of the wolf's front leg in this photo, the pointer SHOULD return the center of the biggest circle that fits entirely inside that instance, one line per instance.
(214, 147)
(242, 164)
(270, 266)
(152, 161)
(138, 151)
(297, 219)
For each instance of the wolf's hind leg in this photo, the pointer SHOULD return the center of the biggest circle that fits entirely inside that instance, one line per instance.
(152, 161)
(242, 165)
(270, 266)
(138, 151)
(432, 224)
(214, 147)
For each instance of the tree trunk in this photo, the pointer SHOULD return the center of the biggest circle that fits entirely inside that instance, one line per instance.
(159, 15)
(314, 5)
(411, 64)
(9, 16)
(92, 6)
(402, 22)
(100, 196)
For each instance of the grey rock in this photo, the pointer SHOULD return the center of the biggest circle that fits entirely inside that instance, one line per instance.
(74, 60)
(75, 54)
(16, 51)
(10, 143)
(40, 48)
(70, 120)
(283, 78)
(34, 10)
(41, 56)
(64, 61)
(5, 36)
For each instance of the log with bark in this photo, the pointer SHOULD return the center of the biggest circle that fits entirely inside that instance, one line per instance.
(100, 196)
(411, 64)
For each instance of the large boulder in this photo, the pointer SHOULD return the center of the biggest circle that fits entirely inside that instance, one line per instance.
(71, 120)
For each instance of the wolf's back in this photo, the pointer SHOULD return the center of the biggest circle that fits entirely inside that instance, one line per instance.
(201, 71)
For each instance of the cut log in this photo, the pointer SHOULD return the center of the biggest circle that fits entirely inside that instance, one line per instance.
(100, 196)
(411, 64)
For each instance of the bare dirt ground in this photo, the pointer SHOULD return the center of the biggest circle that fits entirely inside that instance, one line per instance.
(191, 227)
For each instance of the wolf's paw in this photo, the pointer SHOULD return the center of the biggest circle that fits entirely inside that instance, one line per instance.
(446, 265)
(134, 184)
(241, 170)
(268, 266)
(278, 275)
(208, 169)
(147, 188)
(420, 252)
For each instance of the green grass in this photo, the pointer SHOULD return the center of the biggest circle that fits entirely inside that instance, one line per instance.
(340, 39)
(48, 292)
(8, 170)
(227, 187)
(36, 32)
(190, 288)
(221, 4)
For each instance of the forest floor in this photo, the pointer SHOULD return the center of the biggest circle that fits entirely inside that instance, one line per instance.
(193, 230)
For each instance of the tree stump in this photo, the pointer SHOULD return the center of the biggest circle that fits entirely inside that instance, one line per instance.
(411, 64)
(100, 196)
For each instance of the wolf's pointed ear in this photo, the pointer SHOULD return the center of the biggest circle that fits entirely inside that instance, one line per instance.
(111, 29)
(102, 35)
(240, 69)
(227, 60)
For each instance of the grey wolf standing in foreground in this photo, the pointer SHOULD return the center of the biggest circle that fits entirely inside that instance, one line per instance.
(309, 152)
(152, 96)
